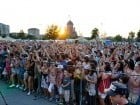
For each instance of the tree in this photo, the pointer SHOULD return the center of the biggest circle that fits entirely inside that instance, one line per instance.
(124, 39)
(21, 35)
(94, 33)
(31, 37)
(131, 35)
(52, 32)
(109, 38)
(138, 36)
(118, 38)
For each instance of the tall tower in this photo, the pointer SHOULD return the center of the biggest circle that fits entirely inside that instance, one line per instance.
(71, 30)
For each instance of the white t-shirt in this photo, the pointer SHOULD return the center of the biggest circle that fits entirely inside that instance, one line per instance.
(86, 66)
(91, 86)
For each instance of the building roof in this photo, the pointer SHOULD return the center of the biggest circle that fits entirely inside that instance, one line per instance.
(69, 22)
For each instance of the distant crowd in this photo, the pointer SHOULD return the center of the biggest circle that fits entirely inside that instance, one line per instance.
(73, 73)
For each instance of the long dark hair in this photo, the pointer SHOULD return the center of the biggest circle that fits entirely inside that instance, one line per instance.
(107, 67)
(121, 67)
(130, 63)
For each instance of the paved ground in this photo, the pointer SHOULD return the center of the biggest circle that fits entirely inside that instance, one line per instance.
(15, 96)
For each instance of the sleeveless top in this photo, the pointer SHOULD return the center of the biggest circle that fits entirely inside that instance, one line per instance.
(52, 78)
(104, 84)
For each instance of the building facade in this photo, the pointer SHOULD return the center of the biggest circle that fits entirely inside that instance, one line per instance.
(4, 29)
(71, 30)
(34, 31)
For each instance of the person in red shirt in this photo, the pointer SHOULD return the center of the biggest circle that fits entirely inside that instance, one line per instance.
(104, 82)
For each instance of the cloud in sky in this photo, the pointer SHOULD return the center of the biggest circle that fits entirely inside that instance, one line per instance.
(110, 16)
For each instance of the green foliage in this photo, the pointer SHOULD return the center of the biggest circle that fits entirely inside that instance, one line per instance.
(118, 38)
(18, 36)
(52, 32)
(138, 36)
(45, 37)
(125, 39)
(131, 36)
(87, 38)
(13, 36)
(21, 35)
(109, 38)
(94, 33)
(30, 37)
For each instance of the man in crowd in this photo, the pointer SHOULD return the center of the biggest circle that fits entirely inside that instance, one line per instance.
(117, 94)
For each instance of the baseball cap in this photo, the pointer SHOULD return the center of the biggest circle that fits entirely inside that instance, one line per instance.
(137, 63)
(117, 89)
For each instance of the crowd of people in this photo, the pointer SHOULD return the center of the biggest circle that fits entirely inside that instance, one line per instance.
(73, 73)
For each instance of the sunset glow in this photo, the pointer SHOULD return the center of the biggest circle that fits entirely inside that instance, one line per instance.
(110, 16)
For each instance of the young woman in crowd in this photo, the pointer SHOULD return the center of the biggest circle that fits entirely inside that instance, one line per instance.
(59, 80)
(30, 73)
(129, 67)
(66, 85)
(52, 81)
(22, 62)
(79, 85)
(17, 68)
(91, 79)
(37, 74)
(8, 66)
(104, 81)
(44, 80)
(86, 63)
(13, 73)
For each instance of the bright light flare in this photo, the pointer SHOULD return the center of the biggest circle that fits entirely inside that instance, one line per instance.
(62, 34)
